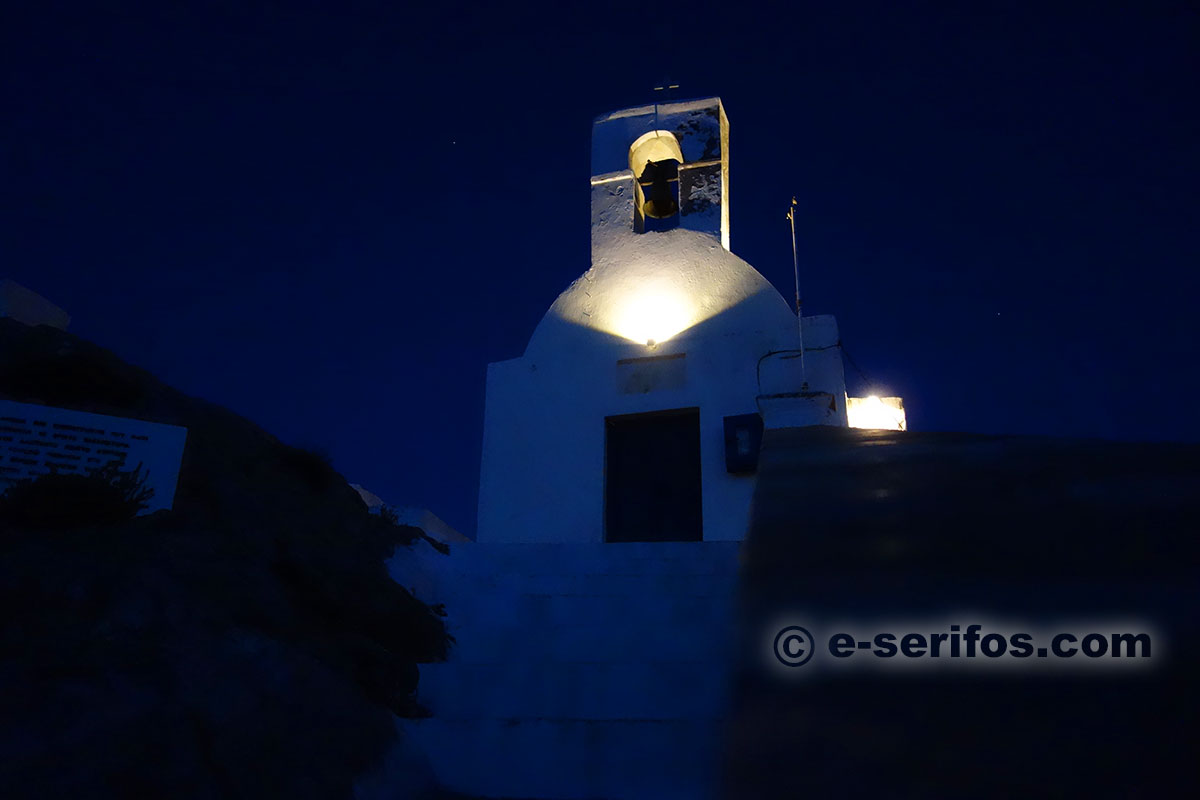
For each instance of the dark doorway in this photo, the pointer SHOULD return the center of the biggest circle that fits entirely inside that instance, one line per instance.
(652, 477)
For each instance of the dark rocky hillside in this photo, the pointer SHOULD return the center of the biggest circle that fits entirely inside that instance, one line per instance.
(248, 643)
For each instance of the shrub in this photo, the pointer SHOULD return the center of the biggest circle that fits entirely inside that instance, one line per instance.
(63, 500)
(313, 467)
(389, 515)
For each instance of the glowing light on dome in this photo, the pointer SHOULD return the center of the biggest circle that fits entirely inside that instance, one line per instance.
(876, 413)
(652, 316)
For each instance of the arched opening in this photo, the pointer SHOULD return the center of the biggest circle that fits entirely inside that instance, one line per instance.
(655, 158)
(653, 146)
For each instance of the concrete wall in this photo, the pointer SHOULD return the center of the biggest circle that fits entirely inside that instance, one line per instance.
(36, 439)
(544, 435)
(580, 671)
(542, 474)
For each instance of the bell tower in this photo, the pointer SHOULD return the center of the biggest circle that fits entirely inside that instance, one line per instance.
(659, 167)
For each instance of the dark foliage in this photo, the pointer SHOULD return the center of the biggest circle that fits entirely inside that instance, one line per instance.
(408, 533)
(313, 467)
(249, 644)
(63, 500)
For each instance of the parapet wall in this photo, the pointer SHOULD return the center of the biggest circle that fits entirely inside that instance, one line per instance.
(580, 670)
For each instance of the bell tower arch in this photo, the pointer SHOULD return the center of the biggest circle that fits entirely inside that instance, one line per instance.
(658, 167)
(654, 158)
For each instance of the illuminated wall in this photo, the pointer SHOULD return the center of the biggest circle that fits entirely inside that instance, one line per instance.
(701, 132)
(660, 321)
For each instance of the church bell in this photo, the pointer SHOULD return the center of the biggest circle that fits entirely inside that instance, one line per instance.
(660, 187)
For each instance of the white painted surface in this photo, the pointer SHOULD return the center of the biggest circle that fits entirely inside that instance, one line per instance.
(544, 435)
(433, 525)
(580, 671)
(422, 518)
(29, 307)
(35, 439)
(586, 669)
(701, 130)
(542, 473)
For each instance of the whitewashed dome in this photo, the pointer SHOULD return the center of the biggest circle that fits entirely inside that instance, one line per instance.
(658, 287)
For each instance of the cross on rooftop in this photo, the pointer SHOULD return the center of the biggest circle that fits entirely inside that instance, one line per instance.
(667, 88)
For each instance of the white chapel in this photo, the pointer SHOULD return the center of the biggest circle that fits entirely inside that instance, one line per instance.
(636, 411)
(593, 615)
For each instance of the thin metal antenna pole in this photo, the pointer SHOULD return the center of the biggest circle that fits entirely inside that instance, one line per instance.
(791, 215)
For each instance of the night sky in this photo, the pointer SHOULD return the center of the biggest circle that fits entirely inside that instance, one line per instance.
(329, 217)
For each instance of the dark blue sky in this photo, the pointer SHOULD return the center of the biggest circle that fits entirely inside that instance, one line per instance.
(330, 217)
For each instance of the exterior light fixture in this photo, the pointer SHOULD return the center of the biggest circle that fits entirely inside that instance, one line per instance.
(876, 413)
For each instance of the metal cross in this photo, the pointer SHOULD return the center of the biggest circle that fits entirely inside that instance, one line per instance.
(666, 88)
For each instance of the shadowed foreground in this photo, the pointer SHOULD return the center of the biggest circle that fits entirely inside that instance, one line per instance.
(249, 643)
(856, 525)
